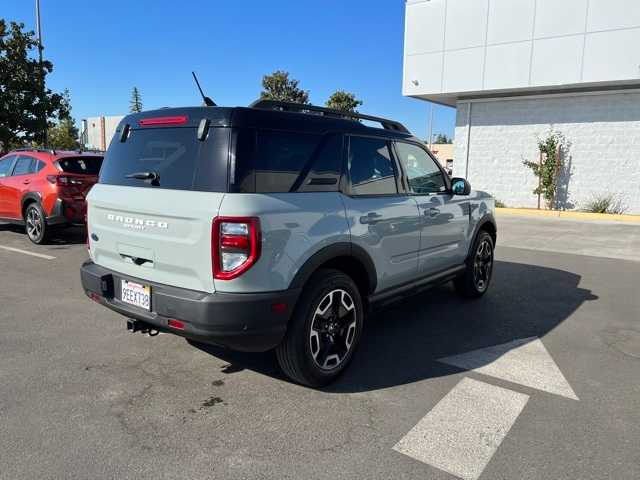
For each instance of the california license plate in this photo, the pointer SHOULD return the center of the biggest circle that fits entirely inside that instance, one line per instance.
(136, 294)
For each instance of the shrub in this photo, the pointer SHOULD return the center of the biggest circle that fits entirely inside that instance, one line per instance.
(605, 204)
(552, 148)
(500, 204)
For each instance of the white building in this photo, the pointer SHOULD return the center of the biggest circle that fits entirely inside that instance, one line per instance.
(513, 69)
(96, 132)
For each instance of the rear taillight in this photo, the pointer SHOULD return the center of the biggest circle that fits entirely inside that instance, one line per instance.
(235, 245)
(63, 180)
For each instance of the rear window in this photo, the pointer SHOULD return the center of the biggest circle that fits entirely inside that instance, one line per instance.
(175, 155)
(269, 161)
(81, 165)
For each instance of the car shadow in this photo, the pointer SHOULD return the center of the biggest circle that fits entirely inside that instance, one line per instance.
(402, 343)
(60, 238)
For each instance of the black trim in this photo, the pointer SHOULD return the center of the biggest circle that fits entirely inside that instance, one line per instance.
(35, 196)
(487, 218)
(341, 249)
(12, 221)
(328, 112)
(56, 217)
(240, 321)
(407, 289)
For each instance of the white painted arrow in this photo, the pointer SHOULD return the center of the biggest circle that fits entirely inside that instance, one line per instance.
(463, 431)
(524, 361)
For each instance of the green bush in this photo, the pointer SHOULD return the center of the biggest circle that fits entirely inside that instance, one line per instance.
(605, 204)
(500, 204)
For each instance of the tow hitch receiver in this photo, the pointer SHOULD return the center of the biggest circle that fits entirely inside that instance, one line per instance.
(139, 326)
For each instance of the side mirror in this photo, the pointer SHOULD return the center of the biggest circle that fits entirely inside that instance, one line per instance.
(459, 186)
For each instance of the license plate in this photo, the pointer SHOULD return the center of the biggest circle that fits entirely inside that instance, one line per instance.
(136, 294)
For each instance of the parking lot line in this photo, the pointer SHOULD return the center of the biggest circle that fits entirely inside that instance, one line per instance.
(25, 252)
(463, 431)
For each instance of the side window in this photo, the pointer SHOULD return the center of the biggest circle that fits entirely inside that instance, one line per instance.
(280, 157)
(269, 161)
(370, 166)
(322, 174)
(40, 166)
(5, 166)
(423, 174)
(24, 166)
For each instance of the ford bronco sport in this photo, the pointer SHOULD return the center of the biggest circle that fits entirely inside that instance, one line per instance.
(276, 227)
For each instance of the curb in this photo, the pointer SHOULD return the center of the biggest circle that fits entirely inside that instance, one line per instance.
(532, 212)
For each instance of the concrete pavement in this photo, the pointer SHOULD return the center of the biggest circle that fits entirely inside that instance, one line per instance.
(82, 398)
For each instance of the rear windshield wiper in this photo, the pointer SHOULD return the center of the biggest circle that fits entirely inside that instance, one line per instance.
(152, 177)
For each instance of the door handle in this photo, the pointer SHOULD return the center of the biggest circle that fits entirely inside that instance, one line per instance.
(371, 217)
(433, 212)
(26, 182)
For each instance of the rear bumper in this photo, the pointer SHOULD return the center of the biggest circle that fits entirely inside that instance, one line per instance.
(245, 322)
(67, 212)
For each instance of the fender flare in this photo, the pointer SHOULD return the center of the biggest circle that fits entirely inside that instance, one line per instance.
(28, 197)
(487, 218)
(341, 249)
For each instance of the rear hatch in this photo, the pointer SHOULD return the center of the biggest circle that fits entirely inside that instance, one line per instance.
(78, 175)
(150, 216)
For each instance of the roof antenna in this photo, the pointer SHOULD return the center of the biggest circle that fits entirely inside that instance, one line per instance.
(207, 101)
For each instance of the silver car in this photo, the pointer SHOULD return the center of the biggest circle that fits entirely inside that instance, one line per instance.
(276, 227)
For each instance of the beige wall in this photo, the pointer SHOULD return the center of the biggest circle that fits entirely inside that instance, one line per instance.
(100, 131)
(443, 152)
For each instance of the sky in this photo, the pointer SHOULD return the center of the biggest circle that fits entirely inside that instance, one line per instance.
(101, 50)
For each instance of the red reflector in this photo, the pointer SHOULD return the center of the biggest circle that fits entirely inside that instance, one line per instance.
(154, 121)
(175, 324)
(278, 307)
(95, 297)
(235, 241)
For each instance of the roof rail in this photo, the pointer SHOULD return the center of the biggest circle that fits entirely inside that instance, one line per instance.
(35, 149)
(327, 112)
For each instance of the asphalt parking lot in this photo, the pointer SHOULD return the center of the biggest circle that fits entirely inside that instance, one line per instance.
(551, 388)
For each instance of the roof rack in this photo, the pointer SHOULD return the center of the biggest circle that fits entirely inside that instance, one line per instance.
(35, 149)
(327, 112)
(89, 150)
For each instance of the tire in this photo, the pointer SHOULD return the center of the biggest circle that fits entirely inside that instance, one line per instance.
(475, 280)
(36, 224)
(324, 330)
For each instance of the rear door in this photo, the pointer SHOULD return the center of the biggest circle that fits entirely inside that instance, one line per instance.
(382, 221)
(159, 229)
(6, 165)
(82, 172)
(16, 185)
(444, 217)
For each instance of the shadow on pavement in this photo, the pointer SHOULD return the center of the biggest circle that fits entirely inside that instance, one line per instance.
(59, 239)
(401, 343)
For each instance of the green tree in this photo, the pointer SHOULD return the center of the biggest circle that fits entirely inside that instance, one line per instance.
(343, 101)
(278, 86)
(552, 149)
(135, 104)
(64, 135)
(23, 100)
(442, 138)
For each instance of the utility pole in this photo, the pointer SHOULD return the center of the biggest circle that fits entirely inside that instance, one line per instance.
(40, 47)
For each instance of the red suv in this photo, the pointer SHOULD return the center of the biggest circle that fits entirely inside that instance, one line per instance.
(42, 189)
